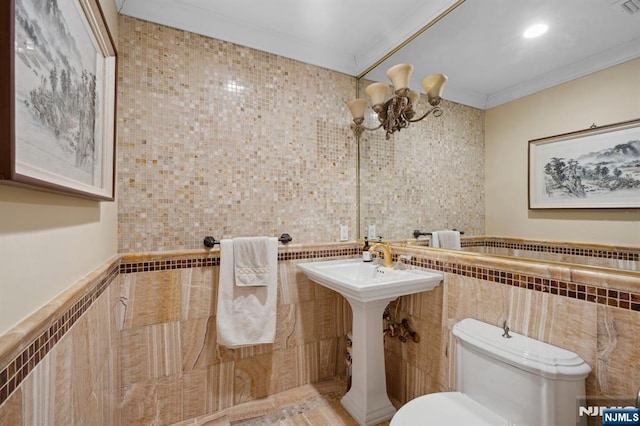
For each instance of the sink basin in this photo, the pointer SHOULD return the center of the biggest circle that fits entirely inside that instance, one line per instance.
(368, 288)
(364, 281)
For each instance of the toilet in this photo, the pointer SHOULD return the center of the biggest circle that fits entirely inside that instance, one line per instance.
(503, 381)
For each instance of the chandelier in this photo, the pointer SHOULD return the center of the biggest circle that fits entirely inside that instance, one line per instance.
(397, 112)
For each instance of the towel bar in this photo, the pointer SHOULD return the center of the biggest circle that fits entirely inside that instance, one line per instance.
(209, 241)
(417, 233)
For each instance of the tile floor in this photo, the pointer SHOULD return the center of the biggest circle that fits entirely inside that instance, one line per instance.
(315, 404)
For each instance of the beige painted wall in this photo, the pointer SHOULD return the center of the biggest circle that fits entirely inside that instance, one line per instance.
(48, 241)
(606, 97)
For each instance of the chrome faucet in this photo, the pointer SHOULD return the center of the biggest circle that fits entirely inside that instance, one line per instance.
(386, 253)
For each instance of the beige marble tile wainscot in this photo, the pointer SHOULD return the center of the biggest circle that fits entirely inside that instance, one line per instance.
(173, 369)
(139, 333)
(63, 364)
(590, 310)
(60, 365)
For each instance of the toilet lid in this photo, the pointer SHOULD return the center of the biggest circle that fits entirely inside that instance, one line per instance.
(446, 409)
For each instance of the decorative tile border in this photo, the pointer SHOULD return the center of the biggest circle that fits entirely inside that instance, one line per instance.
(620, 254)
(318, 253)
(589, 293)
(214, 260)
(163, 265)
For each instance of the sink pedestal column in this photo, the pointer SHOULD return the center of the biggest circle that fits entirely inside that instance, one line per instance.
(367, 400)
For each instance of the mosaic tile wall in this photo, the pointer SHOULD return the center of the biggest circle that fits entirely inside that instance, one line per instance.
(223, 140)
(429, 176)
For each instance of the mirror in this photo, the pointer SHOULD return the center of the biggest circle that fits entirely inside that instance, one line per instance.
(417, 181)
(430, 176)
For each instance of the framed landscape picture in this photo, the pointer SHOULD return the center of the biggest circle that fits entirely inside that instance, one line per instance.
(57, 88)
(593, 168)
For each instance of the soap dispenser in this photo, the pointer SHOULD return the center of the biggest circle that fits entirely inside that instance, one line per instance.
(366, 254)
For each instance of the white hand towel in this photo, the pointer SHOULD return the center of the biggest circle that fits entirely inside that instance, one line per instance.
(446, 240)
(246, 315)
(251, 260)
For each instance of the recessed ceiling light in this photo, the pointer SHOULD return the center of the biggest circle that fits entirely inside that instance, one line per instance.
(535, 30)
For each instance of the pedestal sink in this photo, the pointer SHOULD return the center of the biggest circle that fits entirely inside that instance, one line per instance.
(369, 289)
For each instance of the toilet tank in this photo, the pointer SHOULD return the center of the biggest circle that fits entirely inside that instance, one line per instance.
(526, 381)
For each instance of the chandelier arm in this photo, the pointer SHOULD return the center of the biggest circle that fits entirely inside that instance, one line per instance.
(436, 110)
(359, 128)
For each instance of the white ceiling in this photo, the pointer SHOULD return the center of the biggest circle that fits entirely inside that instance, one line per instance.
(479, 45)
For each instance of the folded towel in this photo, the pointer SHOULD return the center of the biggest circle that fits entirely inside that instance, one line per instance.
(246, 315)
(446, 240)
(251, 260)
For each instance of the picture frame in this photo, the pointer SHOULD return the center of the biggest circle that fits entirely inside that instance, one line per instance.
(595, 168)
(58, 94)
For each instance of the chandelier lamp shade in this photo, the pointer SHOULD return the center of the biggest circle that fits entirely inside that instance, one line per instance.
(398, 111)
